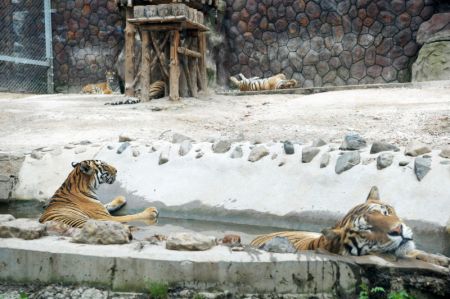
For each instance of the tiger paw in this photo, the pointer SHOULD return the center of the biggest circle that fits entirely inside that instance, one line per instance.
(116, 204)
(436, 259)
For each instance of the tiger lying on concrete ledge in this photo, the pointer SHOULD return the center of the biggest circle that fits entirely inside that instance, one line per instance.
(369, 228)
(255, 84)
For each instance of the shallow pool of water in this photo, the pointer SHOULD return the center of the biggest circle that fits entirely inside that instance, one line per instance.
(428, 240)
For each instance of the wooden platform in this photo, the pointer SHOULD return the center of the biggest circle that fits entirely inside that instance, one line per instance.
(197, 4)
(167, 23)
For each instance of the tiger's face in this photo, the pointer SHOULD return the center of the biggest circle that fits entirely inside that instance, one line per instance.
(99, 171)
(285, 84)
(374, 227)
(110, 76)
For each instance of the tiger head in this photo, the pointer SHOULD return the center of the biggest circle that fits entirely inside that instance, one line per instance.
(95, 171)
(371, 227)
(285, 84)
(110, 76)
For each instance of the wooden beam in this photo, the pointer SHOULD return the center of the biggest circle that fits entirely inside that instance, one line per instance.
(145, 67)
(130, 32)
(161, 57)
(174, 93)
(202, 60)
(187, 52)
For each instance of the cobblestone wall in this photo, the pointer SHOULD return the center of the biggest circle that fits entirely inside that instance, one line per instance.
(87, 37)
(328, 42)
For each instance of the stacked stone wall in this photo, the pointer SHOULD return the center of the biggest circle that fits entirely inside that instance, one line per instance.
(87, 37)
(327, 42)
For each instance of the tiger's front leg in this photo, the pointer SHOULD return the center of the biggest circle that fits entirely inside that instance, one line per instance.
(116, 204)
(436, 259)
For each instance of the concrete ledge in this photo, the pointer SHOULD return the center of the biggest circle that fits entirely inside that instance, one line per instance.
(131, 267)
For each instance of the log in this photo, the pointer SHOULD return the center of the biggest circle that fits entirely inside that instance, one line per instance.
(202, 60)
(159, 54)
(145, 67)
(130, 31)
(187, 52)
(174, 94)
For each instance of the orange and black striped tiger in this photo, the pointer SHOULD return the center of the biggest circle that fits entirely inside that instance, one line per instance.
(75, 201)
(255, 84)
(369, 228)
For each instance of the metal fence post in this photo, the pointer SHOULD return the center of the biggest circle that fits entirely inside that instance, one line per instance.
(49, 44)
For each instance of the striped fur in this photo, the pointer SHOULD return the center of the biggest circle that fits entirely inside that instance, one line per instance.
(156, 91)
(75, 201)
(101, 88)
(256, 84)
(367, 228)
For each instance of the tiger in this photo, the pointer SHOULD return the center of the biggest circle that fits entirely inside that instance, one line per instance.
(156, 91)
(369, 228)
(101, 88)
(75, 202)
(255, 84)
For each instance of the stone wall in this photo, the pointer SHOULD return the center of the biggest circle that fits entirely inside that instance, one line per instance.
(328, 42)
(87, 37)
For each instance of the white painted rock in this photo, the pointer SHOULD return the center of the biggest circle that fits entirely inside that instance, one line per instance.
(179, 138)
(324, 160)
(185, 147)
(308, 153)
(445, 152)
(416, 148)
(347, 161)
(27, 229)
(236, 153)
(190, 242)
(221, 146)
(103, 232)
(164, 156)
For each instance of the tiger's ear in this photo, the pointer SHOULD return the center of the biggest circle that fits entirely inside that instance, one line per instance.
(74, 164)
(374, 194)
(86, 168)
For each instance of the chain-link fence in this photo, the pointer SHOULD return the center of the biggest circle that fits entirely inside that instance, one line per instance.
(26, 46)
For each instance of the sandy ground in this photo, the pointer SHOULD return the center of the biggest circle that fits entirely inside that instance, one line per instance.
(395, 115)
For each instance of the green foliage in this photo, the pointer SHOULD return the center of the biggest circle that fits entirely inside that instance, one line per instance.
(367, 293)
(23, 295)
(158, 290)
(198, 296)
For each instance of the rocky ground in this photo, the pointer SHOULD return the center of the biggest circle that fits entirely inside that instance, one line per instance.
(393, 115)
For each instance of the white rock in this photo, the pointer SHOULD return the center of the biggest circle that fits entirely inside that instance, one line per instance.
(416, 148)
(185, 147)
(164, 156)
(6, 217)
(103, 232)
(257, 153)
(236, 153)
(27, 229)
(190, 242)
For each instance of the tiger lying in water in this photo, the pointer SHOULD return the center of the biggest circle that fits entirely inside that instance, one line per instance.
(369, 228)
(255, 84)
(75, 202)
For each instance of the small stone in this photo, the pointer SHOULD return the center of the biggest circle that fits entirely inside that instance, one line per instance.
(274, 156)
(421, 167)
(179, 138)
(37, 155)
(110, 147)
(185, 147)
(123, 147)
(190, 242)
(26, 229)
(318, 143)
(221, 146)
(445, 152)
(324, 160)
(380, 146)
(199, 155)
(164, 156)
(69, 146)
(347, 161)
(257, 153)
(136, 153)
(282, 162)
(85, 142)
(155, 148)
(279, 245)
(384, 160)
(308, 154)
(6, 217)
(353, 141)
(403, 163)
(231, 240)
(80, 150)
(103, 232)
(125, 138)
(236, 153)
(416, 148)
(288, 147)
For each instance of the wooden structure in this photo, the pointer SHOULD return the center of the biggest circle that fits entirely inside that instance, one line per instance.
(168, 28)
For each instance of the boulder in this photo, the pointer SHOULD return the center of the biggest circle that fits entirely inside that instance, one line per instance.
(346, 161)
(279, 245)
(421, 167)
(438, 25)
(257, 153)
(185, 147)
(353, 141)
(103, 232)
(433, 62)
(324, 160)
(308, 154)
(6, 217)
(22, 228)
(380, 146)
(384, 160)
(190, 242)
(416, 148)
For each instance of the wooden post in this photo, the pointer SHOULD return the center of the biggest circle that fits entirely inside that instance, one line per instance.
(145, 67)
(202, 61)
(130, 32)
(174, 94)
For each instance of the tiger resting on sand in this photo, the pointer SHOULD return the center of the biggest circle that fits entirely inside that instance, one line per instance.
(369, 228)
(75, 202)
(256, 84)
